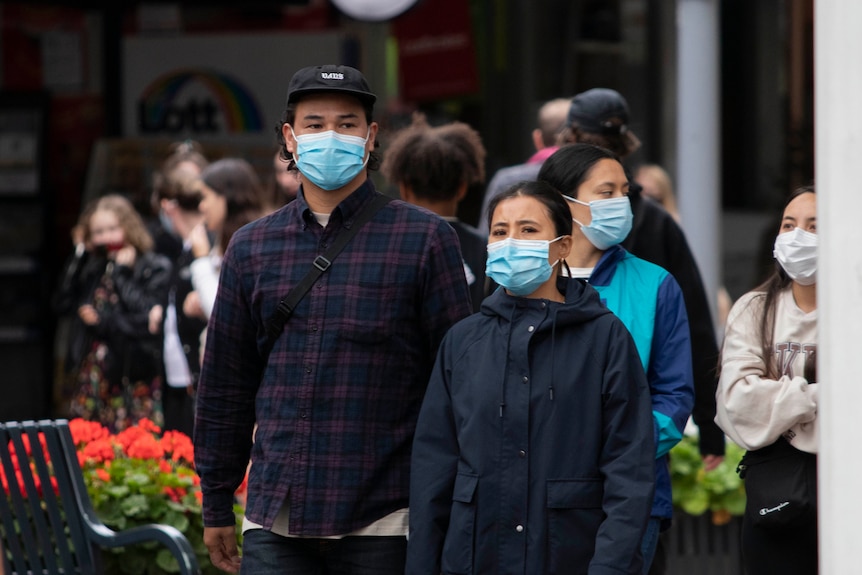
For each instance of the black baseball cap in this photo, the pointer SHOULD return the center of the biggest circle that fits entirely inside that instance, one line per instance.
(599, 111)
(330, 78)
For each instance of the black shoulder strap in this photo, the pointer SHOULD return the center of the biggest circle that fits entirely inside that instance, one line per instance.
(285, 307)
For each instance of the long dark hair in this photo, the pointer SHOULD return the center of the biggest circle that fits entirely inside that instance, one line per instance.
(236, 180)
(777, 282)
(567, 168)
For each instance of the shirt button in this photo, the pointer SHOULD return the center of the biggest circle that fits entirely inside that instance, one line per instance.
(522, 453)
(302, 414)
(530, 329)
(308, 369)
(314, 328)
(526, 379)
(519, 528)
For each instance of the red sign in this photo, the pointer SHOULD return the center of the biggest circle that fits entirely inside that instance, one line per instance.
(436, 55)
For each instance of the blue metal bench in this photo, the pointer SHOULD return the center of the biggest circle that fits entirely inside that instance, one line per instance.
(47, 533)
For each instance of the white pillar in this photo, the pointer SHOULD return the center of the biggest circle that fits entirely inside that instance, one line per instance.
(838, 146)
(698, 179)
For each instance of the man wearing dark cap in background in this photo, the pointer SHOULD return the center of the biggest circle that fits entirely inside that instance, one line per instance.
(550, 121)
(335, 395)
(600, 116)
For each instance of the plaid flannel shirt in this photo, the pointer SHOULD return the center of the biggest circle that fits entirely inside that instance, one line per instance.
(336, 403)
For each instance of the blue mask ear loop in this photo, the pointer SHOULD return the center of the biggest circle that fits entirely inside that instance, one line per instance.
(576, 201)
(368, 154)
(292, 156)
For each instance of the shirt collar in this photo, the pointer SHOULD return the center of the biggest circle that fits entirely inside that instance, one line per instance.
(347, 210)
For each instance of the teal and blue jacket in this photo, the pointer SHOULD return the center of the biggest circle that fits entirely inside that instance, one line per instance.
(649, 302)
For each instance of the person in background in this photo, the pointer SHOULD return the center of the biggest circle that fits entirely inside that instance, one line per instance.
(550, 121)
(656, 185)
(600, 116)
(231, 196)
(643, 295)
(433, 167)
(284, 183)
(113, 283)
(767, 390)
(178, 197)
(185, 158)
(326, 409)
(533, 451)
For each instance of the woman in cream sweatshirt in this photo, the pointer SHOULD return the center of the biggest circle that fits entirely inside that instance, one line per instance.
(767, 392)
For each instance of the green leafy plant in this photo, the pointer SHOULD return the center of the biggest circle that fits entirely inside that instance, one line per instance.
(141, 476)
(696, 490)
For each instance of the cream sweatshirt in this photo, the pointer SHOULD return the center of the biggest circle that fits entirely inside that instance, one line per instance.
(755, 411)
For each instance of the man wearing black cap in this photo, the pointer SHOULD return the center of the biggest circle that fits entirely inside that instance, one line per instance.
(600, 116)
(332, 399)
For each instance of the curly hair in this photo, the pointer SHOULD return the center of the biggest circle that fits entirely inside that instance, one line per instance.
(134, 230)
(435, 161)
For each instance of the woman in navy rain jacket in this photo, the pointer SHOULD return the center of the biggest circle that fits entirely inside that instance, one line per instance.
(534, 447)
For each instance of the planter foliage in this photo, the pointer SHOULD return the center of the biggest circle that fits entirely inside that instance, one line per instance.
(136, 477)
(696, 491)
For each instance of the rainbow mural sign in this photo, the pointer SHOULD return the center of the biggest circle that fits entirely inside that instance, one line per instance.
(197, 101)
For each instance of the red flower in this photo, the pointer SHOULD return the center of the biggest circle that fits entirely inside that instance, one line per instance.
(129, 435)
(178, 446)
(84, 432)
(99, 451)
(148, 425)
(145, 447)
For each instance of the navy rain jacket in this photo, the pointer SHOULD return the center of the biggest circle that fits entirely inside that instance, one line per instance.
(534, 450)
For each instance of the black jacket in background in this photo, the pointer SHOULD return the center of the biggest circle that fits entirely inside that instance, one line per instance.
(474, 249)
(124, 323)
(657, 238)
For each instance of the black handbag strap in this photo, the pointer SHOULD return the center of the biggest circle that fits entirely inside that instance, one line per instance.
(285, 307)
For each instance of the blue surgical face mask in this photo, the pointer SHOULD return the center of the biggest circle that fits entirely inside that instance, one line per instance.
(520, 266)
(329, 159)
(611, 223)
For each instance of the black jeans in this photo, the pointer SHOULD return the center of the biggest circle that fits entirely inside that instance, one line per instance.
(265, 553)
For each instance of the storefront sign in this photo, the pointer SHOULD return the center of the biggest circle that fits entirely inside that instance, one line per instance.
(436, 54)
(215, 86)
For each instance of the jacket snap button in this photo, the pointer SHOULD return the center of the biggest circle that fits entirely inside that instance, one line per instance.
(530, 329)
(519, 528)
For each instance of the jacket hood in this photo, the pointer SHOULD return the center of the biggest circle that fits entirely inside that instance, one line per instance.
(582, 303)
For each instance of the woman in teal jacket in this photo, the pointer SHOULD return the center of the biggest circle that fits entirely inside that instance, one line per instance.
(643, 295)
(533, 450)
